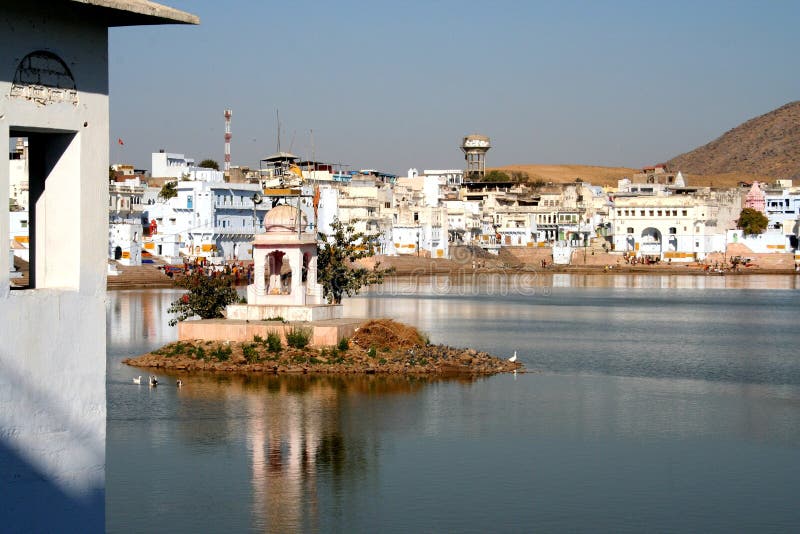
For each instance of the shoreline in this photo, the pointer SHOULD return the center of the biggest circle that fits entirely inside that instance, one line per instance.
(433, 267)
(247, 358)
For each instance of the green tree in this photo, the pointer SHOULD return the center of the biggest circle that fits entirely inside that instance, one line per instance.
(496, 176)
(335, 256)
(538, 182)
(521, 177)
(209, 164)
(206, 298)
(168, 190)
(752, 221)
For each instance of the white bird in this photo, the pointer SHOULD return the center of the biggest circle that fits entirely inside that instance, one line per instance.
(137, 380)
(513, 358)
(179, 383)
(153, 381)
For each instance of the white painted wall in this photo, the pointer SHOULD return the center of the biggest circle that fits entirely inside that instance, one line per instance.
(52, 337)
(18, 179)
(128, 237)
(770, 242)
(172, 165)
(19, 232)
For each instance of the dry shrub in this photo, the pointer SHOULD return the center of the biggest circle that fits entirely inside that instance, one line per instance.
(387, 333)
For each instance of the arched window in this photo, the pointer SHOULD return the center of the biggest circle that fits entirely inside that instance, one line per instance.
(43, 77)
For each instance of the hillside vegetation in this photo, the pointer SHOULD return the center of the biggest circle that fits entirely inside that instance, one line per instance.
(593, 174)
(766, 146)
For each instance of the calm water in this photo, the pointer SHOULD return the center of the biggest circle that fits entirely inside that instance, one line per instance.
(659, 404)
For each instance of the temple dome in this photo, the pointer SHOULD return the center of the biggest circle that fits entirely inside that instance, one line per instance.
(283, 218)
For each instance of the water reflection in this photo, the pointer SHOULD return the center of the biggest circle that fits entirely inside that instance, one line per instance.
(139, 315)
(649, 401)
(305, 437)
(542, 283)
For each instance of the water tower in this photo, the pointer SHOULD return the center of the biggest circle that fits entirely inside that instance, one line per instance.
(475, 147)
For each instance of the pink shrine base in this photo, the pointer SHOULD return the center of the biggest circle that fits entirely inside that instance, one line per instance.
(324, 333)
(264, 312)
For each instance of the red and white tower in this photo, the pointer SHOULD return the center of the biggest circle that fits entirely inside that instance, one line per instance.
(227, 165)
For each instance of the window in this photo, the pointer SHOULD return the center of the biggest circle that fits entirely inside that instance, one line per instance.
(684, 212)
(630, 229)
(659, 213)
(641, 213)
(652, 212)
(673, 230)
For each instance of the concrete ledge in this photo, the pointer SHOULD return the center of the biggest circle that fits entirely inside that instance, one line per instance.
(324, 332)
(262, 312)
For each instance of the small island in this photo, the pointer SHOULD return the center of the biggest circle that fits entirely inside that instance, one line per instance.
(379, 346)
(291, 323)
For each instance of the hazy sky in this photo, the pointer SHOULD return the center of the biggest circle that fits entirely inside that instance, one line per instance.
(393, 85)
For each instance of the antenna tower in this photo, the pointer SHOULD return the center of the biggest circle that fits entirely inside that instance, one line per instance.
(227, 165)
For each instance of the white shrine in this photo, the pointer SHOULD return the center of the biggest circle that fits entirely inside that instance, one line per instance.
(285, 273)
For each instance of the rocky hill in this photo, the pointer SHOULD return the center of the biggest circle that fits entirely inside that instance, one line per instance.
(768, 145)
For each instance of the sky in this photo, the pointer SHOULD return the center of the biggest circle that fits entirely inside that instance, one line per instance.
(395, 85)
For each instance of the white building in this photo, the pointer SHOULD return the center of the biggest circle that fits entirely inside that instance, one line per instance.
(126, 198)
(125, 211)
(210, 219)
(172, 165)
(125, 242)
(463, 220)
(54, 93)
(447, 177)
(782, 206)
(18, 174)
(18, 234)
(673, 227)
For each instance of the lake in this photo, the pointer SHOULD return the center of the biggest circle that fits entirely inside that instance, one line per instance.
(668, 403)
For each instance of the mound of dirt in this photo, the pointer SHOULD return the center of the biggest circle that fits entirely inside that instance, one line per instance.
(385, 333)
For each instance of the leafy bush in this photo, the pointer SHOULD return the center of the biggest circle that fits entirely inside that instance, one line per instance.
(258, 339)
(207, 297)
(200, 353)
(222, 353)
(168, 190)
(372, 352)
(249, 352)
(298, 337)
(273, 342)
(335, 256)
(344, 344)
(752, 221)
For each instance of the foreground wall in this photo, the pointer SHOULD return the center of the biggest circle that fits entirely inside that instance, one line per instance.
(52, 338)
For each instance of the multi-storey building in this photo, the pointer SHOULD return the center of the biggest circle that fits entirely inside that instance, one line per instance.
(211, 219)
(675, 227)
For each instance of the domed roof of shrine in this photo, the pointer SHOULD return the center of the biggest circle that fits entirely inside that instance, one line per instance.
(283, 218)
